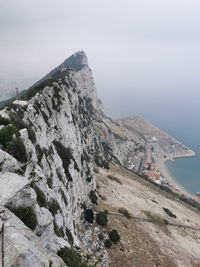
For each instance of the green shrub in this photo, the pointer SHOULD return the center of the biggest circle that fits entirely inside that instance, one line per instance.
(93, 197)
(58, 230)
(50, 182)
(114, 236)
(89, 215)
(45, 117)
(56, 99)
(69, 236)
(66, 156)
(100, 236)
(71, 257)
(154, 218)
(13, 106)
(20, 124)
(6, 135)
(100, 162)
(20, 171)
(41, 198)
(125, 212)
(165, 222)
(17, 122)
(26, 215)
(53, 206)
(101, 218)
(60, 177)
(4, 121)
(108, 243)
(37, 89)
(64, 197)
(39, 153)
(17, 149)
(169, 213)
(31, 134)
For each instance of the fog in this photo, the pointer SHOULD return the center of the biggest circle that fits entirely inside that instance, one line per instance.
(144, 54)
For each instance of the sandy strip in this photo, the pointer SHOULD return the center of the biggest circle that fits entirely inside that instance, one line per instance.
(164, 171)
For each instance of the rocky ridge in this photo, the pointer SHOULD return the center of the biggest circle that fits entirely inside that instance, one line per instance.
(49, 142)
(56, 133)
(52, 151)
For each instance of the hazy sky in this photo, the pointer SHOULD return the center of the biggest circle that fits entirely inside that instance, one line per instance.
(145, 54)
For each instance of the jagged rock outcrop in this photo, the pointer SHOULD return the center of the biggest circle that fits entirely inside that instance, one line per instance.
(53, 147)
(55, 134)
(22, 246)
(84, 78)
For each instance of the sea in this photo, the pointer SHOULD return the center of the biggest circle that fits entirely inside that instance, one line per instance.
(186, 171)
(177, 114)
(185, 128)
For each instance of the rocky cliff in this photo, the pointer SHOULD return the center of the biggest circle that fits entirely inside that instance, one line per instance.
(50, 140)
(46, 162)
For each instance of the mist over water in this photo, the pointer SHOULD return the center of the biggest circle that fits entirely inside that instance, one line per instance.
(176, 112)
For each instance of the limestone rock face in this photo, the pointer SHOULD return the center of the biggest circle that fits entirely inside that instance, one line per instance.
(61, 131)
(54, 150)
(7, 162)
(21, 246)
(11, 184)
(83, 78)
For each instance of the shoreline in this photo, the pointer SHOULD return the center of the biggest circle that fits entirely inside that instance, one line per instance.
(161, 162)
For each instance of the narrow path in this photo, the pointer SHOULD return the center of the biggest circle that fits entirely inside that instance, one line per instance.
(148, 220)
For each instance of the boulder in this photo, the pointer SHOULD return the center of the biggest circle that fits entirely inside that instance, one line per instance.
(11, 184)
(22, 247)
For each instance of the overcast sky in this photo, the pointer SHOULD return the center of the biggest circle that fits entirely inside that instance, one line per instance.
(145, 54)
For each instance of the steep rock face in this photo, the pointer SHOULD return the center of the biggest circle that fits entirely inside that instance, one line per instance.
(55, 149)
(84, 78)
(118, 142)
(22, 246)
(11, 184)
(59, 131)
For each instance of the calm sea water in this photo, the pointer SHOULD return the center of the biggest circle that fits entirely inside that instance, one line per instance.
(174, 111)
(187, 172)
(185, 129)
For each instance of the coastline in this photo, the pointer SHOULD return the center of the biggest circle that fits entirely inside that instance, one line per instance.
(171, 179)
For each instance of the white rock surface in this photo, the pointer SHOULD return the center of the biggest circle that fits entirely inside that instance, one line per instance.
(8, 163)
(22, 247)
(62, 174)
(20, 102)
(11, 184)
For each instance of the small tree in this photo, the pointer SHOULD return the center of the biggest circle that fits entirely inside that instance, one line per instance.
(108, 243)
(125, 212)
(101, 218)
(169, 213)
(27, 215)
(89, 215)
(114, 236)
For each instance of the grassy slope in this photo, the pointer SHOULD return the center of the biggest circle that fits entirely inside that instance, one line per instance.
(145, 243)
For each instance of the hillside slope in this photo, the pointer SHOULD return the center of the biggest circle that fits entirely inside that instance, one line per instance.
(51, 142)
(144, 243)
